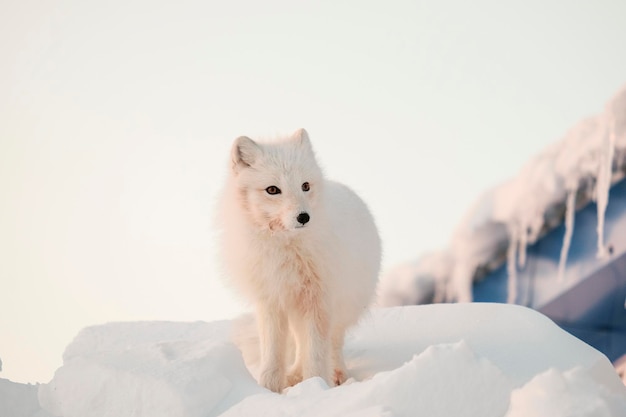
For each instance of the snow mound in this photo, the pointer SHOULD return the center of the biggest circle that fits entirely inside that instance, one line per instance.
(570, 393)
(19, 400)
(438, 360)
(149, 369)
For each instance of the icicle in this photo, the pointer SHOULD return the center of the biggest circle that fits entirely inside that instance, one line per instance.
(570, 210)
(441, 289)
(523, 243)
(462, 282)
(511, 265)
(603, 186)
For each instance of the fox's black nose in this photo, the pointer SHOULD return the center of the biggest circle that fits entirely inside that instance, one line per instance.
(303, 218)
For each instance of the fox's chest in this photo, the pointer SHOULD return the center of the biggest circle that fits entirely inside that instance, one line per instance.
(295, 268)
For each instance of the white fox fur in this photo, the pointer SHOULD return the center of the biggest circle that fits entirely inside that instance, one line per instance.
(304, 250)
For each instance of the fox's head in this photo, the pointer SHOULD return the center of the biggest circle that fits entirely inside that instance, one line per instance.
(279, 183)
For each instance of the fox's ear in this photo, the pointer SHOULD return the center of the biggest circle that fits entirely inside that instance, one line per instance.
(244, 153)
(301, 137)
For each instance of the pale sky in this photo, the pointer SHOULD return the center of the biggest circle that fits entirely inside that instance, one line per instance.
(116, 119)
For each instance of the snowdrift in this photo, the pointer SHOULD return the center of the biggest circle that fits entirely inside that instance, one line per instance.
(439, 360)
(19, 400)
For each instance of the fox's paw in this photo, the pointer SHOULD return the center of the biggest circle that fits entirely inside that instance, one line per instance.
(339, 376)
(294, 377)
(272, 379)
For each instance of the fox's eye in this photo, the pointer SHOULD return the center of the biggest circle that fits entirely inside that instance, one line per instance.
(306, 186)
(272, 190)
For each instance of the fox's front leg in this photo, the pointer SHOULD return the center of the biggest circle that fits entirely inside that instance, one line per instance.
(312, 329)
(340, 373)
(272, 324)
(317, 362)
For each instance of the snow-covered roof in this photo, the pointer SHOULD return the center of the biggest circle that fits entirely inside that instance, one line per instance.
(547, 191)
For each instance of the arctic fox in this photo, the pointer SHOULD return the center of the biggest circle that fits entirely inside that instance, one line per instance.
(304, 250)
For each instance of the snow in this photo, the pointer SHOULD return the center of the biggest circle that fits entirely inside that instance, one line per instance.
(436, 360)
(19, 400)
(555, 393)
(581, 166)
(415, 283)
